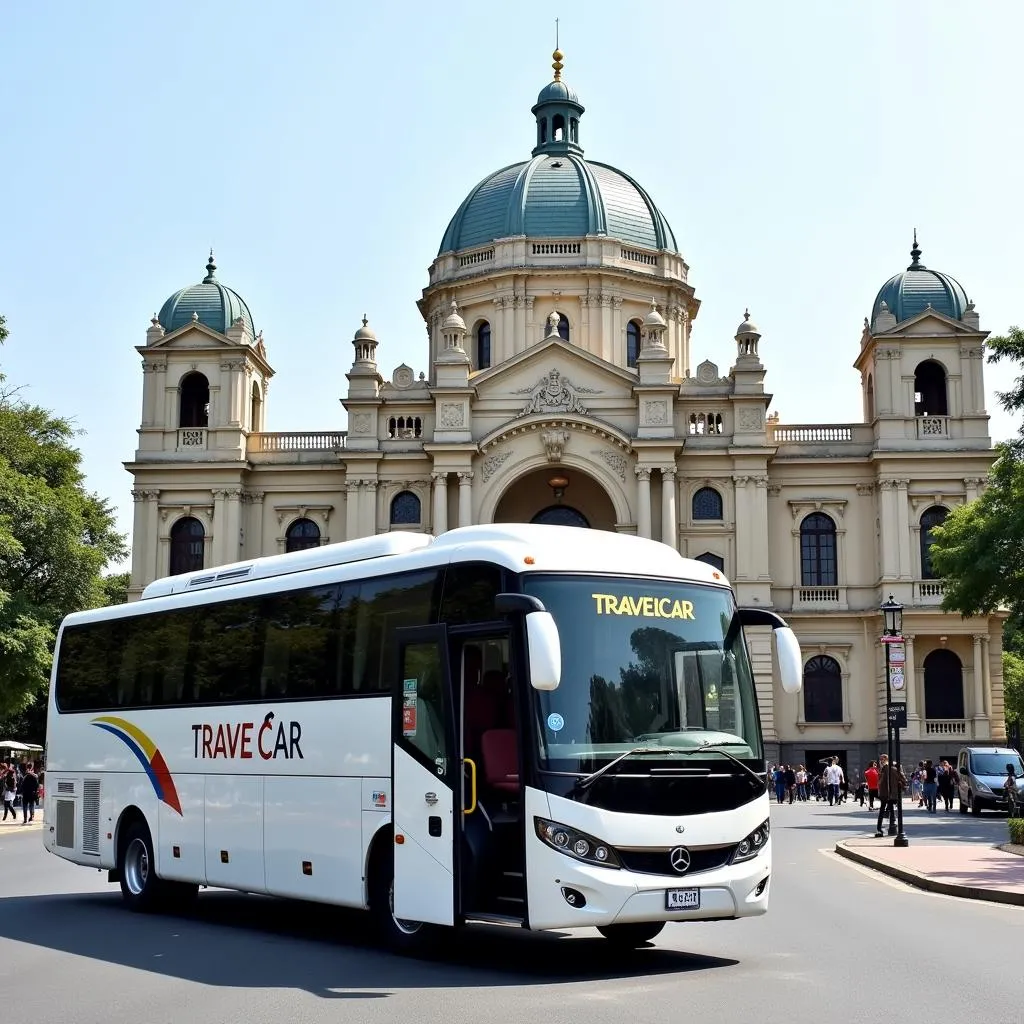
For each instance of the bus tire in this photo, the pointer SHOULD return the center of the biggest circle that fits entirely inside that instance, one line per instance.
(140, 887)
(400, 936)
(630, 936)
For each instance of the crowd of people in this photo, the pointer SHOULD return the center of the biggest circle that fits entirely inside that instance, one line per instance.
(20, 782)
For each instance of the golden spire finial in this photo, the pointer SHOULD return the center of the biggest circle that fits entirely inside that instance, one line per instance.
(557, 56)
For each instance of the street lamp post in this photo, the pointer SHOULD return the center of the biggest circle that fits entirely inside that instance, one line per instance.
(892, 613)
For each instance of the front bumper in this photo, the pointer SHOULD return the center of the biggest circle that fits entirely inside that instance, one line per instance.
(623, 897)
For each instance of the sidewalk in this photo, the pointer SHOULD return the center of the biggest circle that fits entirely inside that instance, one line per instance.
(974, 871)
(17, 826)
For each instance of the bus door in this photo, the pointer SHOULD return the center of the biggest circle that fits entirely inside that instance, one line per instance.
(426, 775)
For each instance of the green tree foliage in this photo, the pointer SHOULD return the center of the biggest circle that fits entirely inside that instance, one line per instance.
(56, 538)
(979, 550)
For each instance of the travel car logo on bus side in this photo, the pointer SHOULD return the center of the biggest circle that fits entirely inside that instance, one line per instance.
(149, 757)
(239, 740)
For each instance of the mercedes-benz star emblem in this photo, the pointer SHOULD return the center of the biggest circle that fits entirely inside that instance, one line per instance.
(679, 858)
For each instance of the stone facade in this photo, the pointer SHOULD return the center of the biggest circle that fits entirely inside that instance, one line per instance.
(558, 391)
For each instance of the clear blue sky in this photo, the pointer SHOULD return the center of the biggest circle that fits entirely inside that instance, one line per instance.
(321, 148)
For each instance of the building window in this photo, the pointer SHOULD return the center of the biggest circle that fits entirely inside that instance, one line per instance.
(188, 544)
(943, 685)
(194, 409)
(405, 427)
(483, 345)
(256, 409)
(561, 515)
(707, 504)
(823, 690)
(715, 561)
(557, 128)
(818, 551)
(563, 327)
(870, 399)
(930, 390)
(405, 509)
(302, 534)
(632, 342)
(932, 517)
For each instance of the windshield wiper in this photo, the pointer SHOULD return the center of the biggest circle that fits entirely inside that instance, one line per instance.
(720, 748)
(589, 780)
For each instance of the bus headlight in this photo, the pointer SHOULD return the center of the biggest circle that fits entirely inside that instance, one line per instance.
(577, 845)
(752, 845)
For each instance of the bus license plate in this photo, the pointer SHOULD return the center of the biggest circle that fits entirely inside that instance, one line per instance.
(682, 899)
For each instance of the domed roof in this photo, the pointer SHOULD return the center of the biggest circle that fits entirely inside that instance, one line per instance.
(558, 194)
(915, 289)
(748, 326)
(216, 305)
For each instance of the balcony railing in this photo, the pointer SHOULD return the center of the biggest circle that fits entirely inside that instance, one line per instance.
(191, 439)
(932, 427)
(810, 432)
(929, 591)
(945, 727)
(820, 599)
(320, 441)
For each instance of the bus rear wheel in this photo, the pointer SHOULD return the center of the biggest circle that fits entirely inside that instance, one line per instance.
(630, 936)
(140, 887)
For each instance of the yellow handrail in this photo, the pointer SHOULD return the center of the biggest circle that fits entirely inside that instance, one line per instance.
(472, 781)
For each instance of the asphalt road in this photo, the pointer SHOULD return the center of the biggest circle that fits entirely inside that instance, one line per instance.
(840, 943)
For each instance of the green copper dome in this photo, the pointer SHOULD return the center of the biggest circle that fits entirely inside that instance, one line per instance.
(917, 288)
(216, 305)
(558, 194)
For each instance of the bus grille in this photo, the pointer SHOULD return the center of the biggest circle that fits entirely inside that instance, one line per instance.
(91, 816)
(658, 862)
(64, 835)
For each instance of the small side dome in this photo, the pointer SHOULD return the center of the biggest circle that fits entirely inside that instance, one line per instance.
(654, 318)
(748, 326)
(454, 322)
(364, 333)
(916, 289)
(209, 302)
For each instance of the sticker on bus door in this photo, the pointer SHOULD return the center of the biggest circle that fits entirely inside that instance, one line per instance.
(409, 687)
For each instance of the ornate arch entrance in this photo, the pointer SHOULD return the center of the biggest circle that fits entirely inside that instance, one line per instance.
(557, 495)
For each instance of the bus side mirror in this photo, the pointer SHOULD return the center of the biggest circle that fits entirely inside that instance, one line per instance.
(787, 653)
(545, 651)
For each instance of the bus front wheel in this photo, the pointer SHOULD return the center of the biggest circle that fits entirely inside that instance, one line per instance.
(630, 936)
(140, 886)
(401, 936)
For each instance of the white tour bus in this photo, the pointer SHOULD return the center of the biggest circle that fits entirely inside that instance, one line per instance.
(536, 725)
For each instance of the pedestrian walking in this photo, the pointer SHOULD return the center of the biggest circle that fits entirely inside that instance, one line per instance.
(29, 794)
(891, 783)
(871, 778)
(8, 789)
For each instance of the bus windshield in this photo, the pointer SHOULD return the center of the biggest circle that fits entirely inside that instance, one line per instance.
(654, 664)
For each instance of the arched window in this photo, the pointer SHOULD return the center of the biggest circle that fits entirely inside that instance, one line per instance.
(188, 544)
(823, 690)
(707, 504)
(557, 128)
(943, 685)
(574, 126)
(194, 409)
(870, 399)
(930, 390)
(256, 409)
(302, 534)
(561, 515)
(715, 561)
(483, 345)
(543, 130)
(632, 342)
(932, 517)
(405, 509)
(818, 551)
(563, 326)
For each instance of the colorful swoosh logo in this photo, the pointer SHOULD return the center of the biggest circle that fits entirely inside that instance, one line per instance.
(149, 757)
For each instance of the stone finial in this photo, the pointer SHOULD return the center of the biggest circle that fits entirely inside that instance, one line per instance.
(195, 317)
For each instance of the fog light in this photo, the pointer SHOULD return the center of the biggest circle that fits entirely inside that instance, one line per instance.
(761, 886)
(574, 897)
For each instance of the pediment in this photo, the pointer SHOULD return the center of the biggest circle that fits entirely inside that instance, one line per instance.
(930, 322)
(553, 377)
(195, 335)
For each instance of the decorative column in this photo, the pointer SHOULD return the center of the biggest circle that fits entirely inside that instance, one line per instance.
(643, 517)
(466, 499)
(986, 662)
(151, 563)
(889, 528)
(669, 526)
(910, 675)
(351, 509)
(971, 485)
(761, 568)
(744, 552)
(903, 522)
(219, 529)
(440, 502)
(254, 537)
(979, 678)
(368, 516)
(233, 525)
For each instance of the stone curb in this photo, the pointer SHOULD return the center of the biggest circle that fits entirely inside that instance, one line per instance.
(966, 892)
